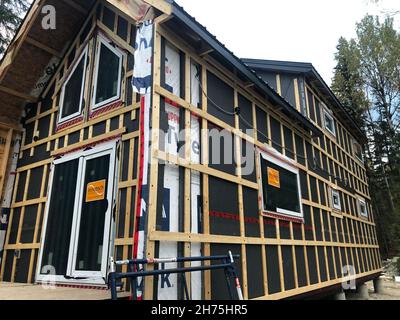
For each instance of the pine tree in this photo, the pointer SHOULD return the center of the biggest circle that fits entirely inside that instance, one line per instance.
(11, 12)
(367, 82)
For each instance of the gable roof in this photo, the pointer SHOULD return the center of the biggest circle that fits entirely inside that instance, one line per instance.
(315, 79)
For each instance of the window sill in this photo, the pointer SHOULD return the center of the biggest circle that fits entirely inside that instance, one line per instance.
(105, 109)
(68, 124)
(282, 217)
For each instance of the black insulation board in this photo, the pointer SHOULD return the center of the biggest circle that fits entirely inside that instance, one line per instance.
(226, 204)
(246, 115)
(322, 264)
(251, 213)
(29, 223)
(301, 266)
(122, 28)
(274, 283)
(22, 267)
(331, 265)
(8, 264)
(219, 287)
(262, 125)
(98, 129)
(284, 228)
(125, 161)
(287, 87)
(312, 265)
(131, 222)
(220, 141)
(255, 280)
(121, 215)
(303, 184)
(35, 183)
(326, 225)
(313, 188)
(337, 261)
(269, 228)
(222, 95)
(43, 127)
(297, 231)
(276, 134)
(248, 161)
(14, 226)
(288, 265)
(108, 18)
(289, 147)
(311, 106)
(317, 224)
(21, 186)
(36, 253)
(269, 77)
(300, 150)
(307, 223)
(333, 229)
(322, 193)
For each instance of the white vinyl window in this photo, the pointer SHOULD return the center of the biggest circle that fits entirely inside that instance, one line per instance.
(329, 122)
(108, 74)
(72, 93)
(336, 203)
(280, 183)
(362, 208)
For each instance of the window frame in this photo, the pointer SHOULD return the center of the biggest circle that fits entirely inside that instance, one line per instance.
(359, 202)
(328, 113)
(101, 39)
(84, 54)
(335, 192)
(287, 164)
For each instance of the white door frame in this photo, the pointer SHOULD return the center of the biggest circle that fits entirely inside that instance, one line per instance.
(74, 277)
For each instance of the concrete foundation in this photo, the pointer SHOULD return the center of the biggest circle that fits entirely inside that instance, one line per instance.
(362, 292)
(378, 286)
(340, 296)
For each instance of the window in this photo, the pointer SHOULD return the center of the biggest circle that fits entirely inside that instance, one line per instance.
(329, 122)
(280, 186)
(358, 151)
(362, 207)
(72, 95)
(107, 85)
(336, 204)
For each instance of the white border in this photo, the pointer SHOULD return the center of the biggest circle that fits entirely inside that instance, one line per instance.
(336, 192)
(284, 163)
(359, 202)
(327, 113)
(92, 278)
(74, 115)
(102, 40)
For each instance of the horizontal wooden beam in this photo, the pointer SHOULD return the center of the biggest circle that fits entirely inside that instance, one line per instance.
(43, 47)
(18, 94)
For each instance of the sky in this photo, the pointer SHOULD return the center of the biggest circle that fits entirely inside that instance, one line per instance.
(292, 30)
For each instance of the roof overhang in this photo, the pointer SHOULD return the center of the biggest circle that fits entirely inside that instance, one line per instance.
(315, 79)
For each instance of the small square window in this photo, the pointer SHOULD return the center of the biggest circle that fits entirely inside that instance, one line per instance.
(362, 207)
(329, 122)
(336, 203)
(281, 193)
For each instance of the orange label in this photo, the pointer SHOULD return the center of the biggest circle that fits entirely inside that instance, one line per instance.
(274, 178)
(96, 191)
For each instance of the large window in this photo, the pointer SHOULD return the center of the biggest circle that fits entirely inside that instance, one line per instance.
(72, 95)
(107, 80)
(280, 186)
(329, 121)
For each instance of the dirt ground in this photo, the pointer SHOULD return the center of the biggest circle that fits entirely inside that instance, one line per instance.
(391, 291)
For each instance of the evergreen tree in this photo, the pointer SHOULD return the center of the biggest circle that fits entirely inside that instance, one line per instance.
(367, 82)
(11, 12)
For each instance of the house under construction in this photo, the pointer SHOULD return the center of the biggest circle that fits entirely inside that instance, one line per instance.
(87, 174)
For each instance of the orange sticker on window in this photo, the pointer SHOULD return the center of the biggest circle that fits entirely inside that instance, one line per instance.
(96, 191)
(274, 178)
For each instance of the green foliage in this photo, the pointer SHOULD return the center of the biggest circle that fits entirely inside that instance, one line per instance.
(367, 82)
(11, 12)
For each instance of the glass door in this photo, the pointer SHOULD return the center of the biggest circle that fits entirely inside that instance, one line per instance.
(79, 226)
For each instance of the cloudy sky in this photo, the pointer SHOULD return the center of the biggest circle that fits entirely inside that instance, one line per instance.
(294, 30)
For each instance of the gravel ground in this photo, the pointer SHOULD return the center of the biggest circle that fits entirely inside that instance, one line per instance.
(391, 291)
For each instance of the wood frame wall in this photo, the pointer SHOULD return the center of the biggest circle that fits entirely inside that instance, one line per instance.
(40, 154)
(359, 243)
